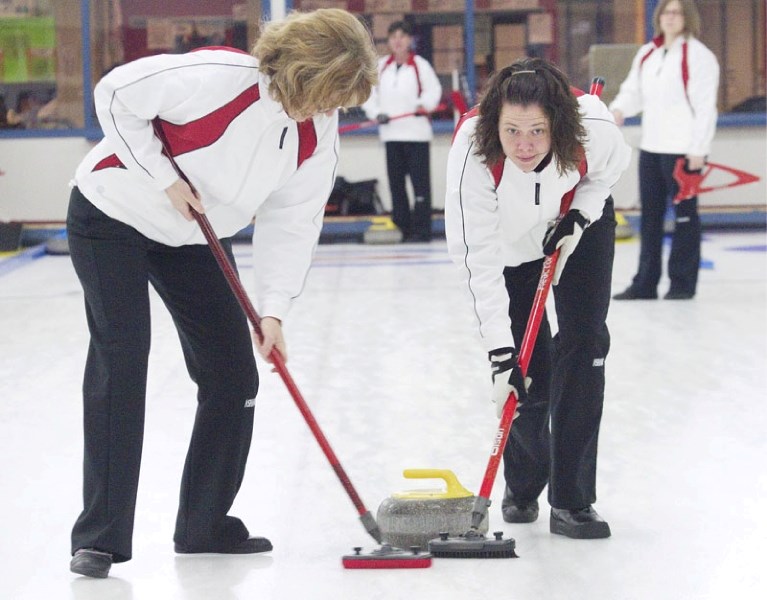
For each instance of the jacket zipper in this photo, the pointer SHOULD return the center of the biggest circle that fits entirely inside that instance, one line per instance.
(537, 188)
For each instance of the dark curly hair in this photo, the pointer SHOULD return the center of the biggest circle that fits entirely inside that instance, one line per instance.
(532, 81)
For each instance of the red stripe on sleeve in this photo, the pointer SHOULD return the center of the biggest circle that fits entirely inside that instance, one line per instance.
(205, 131)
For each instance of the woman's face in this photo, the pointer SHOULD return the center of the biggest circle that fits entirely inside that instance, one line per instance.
(399, 43)
(672, 19)
(525, 134)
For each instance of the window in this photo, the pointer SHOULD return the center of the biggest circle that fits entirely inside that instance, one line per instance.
(28, 69)
(601, 37)
(48, 48)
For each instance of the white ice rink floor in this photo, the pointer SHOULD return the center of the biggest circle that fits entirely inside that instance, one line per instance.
(383, 349)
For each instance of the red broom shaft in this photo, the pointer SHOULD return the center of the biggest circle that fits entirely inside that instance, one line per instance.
(276, 358)
(279, 365)
(371, 122)
(525, 355)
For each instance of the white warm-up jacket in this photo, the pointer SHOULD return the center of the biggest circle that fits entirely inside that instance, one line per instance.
(244, 155)
(675, 120)
(397, 93)
(490, 225)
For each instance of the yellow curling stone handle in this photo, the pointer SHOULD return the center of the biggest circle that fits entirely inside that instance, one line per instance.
(454, 487)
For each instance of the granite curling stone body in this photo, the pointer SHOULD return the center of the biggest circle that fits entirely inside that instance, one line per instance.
(414, 517)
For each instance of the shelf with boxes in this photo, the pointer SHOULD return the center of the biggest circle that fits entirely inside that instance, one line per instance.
(503, 30)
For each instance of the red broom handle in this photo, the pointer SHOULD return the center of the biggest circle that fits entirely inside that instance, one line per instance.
(371, 122)
(528, 341)
(276, 358)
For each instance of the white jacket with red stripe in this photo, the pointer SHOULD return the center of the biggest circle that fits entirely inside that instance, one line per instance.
(490, 225)
(237, 146)
(401, 90)
(675, 119)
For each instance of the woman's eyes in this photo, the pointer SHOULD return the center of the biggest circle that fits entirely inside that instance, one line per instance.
(534, 132)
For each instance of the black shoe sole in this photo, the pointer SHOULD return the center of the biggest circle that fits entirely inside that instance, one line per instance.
(594, 530)
(95, 573)
(633, 297)
(249, 546)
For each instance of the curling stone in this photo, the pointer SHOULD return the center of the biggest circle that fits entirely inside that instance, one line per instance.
(414, 517)
(623, 230)
(382, 230)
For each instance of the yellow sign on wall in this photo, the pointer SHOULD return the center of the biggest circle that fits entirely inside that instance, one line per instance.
(27, 49)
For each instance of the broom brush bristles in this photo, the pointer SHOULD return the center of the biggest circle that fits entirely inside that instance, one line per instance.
(472, 544)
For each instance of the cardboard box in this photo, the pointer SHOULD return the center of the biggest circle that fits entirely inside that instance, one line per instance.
(384, 6)
(510, 36)
(540, 28)
(514, 4)
(308, 5)
(447, 5)
(381, 24)
(506, 56)
(445, 61)
(447, 37)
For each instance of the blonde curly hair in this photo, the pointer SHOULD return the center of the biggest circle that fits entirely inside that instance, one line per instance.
(317, 61)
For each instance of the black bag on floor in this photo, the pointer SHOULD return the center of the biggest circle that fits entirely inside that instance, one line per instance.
(354, 198)
(10, 236)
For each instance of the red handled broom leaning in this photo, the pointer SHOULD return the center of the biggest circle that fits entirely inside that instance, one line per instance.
(691, 182)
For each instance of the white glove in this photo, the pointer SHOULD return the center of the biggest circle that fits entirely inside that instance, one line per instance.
(507, 378)
(564, 234)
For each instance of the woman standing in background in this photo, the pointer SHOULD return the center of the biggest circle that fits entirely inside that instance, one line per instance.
(407, 84)
(673, 82)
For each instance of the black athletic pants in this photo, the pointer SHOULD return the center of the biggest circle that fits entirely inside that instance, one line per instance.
(403, 159)
(554, 439)
(115, 263)
(656, 186)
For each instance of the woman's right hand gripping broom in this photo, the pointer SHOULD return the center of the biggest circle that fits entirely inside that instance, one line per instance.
(507, 378)
(270, 338)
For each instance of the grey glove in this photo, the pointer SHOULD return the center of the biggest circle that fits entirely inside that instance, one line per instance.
(507, 378)
(382, 119)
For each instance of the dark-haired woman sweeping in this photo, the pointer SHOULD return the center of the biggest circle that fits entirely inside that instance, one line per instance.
(532, 139)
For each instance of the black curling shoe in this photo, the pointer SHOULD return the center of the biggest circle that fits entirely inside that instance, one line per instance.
(581, 524)
(678, 295)
(91, 563)
(252, 545)
(514, 511)
(632, 294)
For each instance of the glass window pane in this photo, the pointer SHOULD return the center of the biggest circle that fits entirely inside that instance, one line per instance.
(33, 47)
